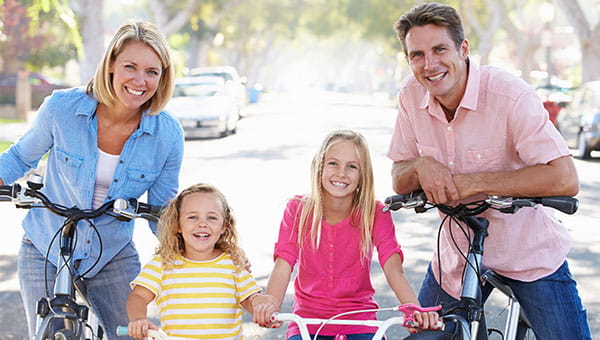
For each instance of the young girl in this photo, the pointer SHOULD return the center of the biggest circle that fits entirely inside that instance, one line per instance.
(197, 276)
(330, 233)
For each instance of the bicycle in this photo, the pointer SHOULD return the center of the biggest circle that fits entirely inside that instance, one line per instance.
(382, 325)
(60, 316)
(472, 302)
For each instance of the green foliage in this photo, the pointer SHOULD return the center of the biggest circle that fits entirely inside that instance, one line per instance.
(39, 33)
(4, 145)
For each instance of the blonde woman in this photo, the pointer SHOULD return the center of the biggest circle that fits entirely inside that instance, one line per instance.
(198, 276)
(330, 234)
(109, 140)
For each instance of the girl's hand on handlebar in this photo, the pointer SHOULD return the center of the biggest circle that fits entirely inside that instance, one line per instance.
(139, 328)
(427, 320)
(265, 305)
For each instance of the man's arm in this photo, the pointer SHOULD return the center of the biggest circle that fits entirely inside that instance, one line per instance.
(556, 178)
(425, 173)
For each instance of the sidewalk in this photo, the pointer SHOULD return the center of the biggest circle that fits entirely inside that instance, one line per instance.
(11, 131)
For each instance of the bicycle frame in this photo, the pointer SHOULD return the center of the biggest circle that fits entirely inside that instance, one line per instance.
(63, 304)
(471, 300)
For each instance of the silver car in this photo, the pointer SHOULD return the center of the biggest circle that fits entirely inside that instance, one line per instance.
(579, 122)
(234, 84)
(203, 107)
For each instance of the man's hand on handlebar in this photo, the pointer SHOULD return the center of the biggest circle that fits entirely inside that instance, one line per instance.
(436, 181)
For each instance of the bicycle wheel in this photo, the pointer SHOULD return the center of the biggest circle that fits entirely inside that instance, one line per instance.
(430, 335)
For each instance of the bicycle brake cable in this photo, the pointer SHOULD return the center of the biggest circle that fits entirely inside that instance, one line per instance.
(100, 248)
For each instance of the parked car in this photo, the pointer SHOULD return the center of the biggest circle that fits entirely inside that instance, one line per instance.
(203, 107)
(579, 122)
(41, 87)
(234, 84)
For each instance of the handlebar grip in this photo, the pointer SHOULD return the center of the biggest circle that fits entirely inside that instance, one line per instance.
(145, 208)
(566, 204)
(397, 199)
(413, 196)
(122, 331)
(10, 190)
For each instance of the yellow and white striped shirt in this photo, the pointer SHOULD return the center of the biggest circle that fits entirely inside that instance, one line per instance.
(199, 299)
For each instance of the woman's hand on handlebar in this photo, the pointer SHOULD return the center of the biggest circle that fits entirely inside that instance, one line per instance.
(139, 328)
(264, 306)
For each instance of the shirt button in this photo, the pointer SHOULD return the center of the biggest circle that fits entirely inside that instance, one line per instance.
(109, 197)
(451, 162)
(478, 156)
(121, 161)
(88, 241)
(142, 176)
(116, 180)
(449, 128)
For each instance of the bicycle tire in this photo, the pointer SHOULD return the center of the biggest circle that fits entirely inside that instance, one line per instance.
(430, 335)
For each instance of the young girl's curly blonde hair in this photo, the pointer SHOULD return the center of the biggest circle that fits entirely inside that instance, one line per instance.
(171, 241)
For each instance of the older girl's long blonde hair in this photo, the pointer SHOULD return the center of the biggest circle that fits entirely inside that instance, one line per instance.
(363, 205)
(171, 241)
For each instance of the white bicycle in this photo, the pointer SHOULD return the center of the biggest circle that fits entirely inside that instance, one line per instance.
(406, 320)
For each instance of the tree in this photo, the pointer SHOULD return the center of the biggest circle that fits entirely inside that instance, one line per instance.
(36, 34)
(588, 38)
(89, 19)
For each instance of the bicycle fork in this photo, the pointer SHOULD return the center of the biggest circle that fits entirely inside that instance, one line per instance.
(62, 307)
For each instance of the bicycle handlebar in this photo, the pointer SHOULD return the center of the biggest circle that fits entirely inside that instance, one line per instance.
(119, 208)
(408, 320)
(509, 205)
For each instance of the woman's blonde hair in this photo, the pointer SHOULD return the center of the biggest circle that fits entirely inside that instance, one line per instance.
(171, 241)
(363, 205)
(101, 87)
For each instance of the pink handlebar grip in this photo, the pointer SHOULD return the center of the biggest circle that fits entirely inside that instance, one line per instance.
(409, 318)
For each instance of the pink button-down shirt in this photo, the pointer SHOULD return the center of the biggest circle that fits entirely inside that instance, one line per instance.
(333, 278)
(500, 125)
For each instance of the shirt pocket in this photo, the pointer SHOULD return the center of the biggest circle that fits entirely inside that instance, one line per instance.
(489, 159)
(69, 164)
(138, 181)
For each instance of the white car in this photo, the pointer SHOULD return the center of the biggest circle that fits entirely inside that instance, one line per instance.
(234, 84)
(203, 107)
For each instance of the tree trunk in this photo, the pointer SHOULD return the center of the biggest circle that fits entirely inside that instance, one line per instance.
(92, 34)
(590, 57)
(588, 39)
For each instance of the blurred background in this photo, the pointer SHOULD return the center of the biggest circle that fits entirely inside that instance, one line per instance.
(290, 45)
(301, 69)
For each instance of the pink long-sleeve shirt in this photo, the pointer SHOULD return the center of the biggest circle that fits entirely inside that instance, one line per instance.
(500, 125)
(333, 278)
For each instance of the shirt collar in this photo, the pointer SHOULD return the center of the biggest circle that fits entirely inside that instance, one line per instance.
(87, 107)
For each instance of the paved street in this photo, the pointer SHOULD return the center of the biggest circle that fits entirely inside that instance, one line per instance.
(268, 161)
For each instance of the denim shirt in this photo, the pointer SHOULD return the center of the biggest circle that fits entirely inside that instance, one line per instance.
(66, 126)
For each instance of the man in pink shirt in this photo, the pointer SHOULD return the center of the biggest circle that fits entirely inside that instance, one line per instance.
(464, 131)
